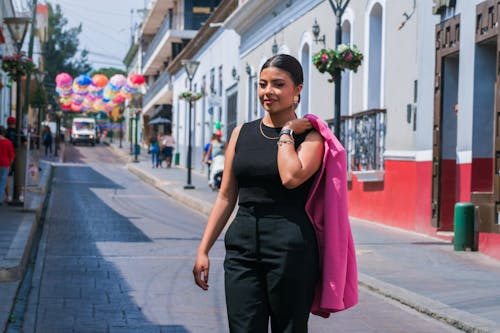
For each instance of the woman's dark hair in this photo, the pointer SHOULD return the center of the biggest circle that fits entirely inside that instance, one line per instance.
(287, 63)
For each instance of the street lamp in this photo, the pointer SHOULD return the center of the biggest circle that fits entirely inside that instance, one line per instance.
(190, 66)
(40, 76)
(338, 9)
(136, 111)
(18, 26)
(58, 115)
(130, 129)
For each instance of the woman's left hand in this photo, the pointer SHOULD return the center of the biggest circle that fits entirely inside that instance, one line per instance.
(299, 125)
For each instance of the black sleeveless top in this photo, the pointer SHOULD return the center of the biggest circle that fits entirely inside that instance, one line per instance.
(255, 166)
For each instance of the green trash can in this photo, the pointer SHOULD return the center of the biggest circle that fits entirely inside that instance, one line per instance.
(137, 149)
(463, 225)
(176, 158)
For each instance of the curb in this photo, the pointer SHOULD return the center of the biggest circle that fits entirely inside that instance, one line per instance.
(462, 320)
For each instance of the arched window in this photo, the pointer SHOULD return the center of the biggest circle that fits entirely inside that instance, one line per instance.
(345, 99)
(305, 59)
(374, 58)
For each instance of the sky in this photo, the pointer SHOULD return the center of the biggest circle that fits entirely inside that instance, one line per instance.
(106, 27)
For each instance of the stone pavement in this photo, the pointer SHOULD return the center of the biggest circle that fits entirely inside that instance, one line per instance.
(424, 273)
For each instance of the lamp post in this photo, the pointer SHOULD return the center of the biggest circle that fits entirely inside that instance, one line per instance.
(338, 8)
(136, 145)
(40, 76)
(120, 120)
(18, 26)
(190, 66)
(130, 129)
(58, 115)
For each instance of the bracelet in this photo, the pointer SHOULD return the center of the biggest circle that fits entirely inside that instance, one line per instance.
(284, 142)
(286, 131)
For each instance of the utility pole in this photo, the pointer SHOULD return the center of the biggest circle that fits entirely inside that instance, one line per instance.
(30, 55)
(338, 9)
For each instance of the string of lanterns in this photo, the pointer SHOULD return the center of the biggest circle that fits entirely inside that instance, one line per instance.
(96, 93)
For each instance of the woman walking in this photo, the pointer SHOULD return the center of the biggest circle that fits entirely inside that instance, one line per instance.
(272, 260)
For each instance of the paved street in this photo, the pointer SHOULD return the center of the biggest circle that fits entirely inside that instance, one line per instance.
(116, 256)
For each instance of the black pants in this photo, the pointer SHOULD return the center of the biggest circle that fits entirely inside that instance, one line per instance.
(271, 268)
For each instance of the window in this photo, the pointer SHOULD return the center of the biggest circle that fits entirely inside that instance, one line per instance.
(304, 96)
(374, 58)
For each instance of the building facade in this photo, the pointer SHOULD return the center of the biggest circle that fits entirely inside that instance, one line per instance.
(216, 49)
(418, 120)
(166, 29)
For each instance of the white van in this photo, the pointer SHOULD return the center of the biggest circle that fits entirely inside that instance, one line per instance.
(83, 130)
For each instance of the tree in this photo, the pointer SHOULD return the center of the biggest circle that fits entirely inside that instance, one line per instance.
(61, 49)
(109, 72)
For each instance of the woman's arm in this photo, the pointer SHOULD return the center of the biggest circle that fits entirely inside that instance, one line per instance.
(221, 211)
(297, 166)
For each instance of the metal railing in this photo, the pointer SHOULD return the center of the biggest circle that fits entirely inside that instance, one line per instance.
(363, 136)
(165, 26)
(155, 88)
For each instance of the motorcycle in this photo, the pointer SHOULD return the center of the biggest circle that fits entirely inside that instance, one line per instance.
(216, 170)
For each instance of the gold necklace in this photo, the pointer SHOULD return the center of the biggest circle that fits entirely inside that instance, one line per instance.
(264, 135)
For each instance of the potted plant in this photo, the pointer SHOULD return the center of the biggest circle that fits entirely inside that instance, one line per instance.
(344, 57)
(18, 64)
(191, 96)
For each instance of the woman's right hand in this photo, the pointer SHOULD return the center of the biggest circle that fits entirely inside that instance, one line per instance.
(201, 266)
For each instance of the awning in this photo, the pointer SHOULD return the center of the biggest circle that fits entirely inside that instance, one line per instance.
(159, 121)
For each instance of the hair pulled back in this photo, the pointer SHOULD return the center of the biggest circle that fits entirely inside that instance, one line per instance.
(288, 64)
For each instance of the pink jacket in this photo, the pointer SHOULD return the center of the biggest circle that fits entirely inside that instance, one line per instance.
(326, 206)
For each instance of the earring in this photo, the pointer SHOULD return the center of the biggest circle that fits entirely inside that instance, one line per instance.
(295, 99)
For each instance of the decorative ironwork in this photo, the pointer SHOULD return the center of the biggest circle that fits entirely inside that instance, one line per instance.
(487, 19)
(448, 36)
(347, 140)
(368, 137)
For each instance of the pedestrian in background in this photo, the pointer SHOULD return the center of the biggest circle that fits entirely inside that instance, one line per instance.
(216, 146)
(6, 160)
(154, 149)
(206, 157)
(11, 134)
(47, 140)
(272, 261)
(167, 145)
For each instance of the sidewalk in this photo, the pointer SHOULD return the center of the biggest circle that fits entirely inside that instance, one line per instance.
(17, 229)
(424, 273)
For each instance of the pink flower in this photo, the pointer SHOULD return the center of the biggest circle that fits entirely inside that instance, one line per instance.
(348, 56)
(324, 58)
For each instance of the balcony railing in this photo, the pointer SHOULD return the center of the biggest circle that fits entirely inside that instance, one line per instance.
(363, 136)
(165, 26)
(155, 88)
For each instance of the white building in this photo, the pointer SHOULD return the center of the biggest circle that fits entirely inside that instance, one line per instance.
(216, 50)
(167, 27)
(419, 118)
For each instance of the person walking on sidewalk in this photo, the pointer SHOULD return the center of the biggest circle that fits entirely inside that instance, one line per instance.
(47, 140)
(206, 157)
(6, 159)
(154, 149)
(272, 260)
(167, 145)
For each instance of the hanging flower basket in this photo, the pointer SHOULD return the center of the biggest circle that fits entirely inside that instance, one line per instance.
(344, 57)
(18, 64)
(191, 96)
